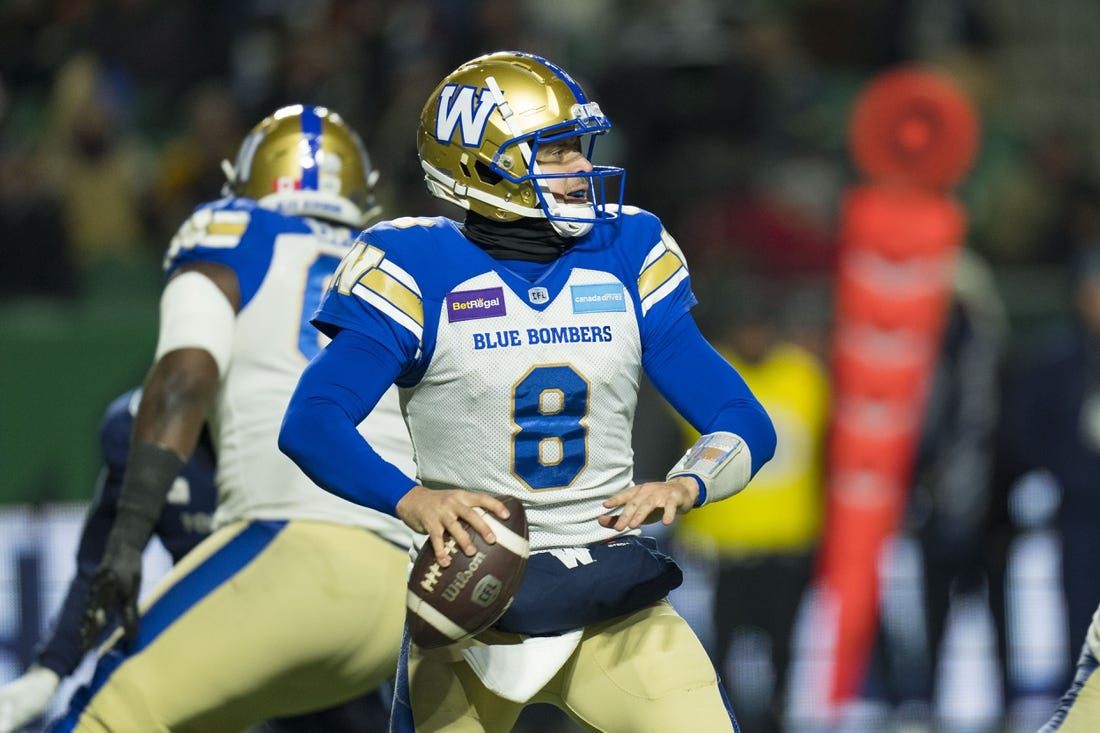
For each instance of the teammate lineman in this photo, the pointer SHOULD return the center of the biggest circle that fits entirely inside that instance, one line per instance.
(295, 602)
(184, 522)
(517, 338)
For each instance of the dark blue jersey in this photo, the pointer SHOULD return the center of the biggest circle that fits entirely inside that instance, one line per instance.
(184, 522)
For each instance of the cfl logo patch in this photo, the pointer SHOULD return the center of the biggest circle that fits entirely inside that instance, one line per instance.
(486, 591)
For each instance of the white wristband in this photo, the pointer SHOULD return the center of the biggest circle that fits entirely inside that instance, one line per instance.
(720, 461)
(195, 314)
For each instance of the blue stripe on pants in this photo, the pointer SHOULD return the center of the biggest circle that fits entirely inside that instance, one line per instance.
(214, 571)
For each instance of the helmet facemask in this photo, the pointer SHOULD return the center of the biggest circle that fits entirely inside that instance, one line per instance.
(568, 219)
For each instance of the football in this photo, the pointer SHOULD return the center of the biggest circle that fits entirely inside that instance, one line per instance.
(448, 604)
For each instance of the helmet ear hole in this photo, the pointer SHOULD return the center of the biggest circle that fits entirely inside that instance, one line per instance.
(486, 174)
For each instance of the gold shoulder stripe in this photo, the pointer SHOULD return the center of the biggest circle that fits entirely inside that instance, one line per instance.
(660, 270)
(389, 288)
(235, 228)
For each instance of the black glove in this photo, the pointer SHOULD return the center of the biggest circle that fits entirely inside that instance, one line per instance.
(114, 589)
(117, 581)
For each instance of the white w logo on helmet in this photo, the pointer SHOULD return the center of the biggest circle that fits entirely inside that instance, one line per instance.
(457, 109)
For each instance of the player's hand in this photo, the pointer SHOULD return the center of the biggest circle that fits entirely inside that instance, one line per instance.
(114, 591)
(651, 502)
(26, 698)
(433, 512)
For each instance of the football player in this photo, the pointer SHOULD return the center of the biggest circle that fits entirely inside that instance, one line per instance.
(296, 600)
(517, 338)
(1079, 711)
(183, 523)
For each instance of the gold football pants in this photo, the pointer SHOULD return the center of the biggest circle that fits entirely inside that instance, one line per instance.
(263, 619)
(645, 671)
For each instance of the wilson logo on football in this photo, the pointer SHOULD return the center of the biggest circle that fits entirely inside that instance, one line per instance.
(455, 586)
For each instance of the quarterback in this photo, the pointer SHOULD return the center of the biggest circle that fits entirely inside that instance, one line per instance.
(295, 601)
(517, 338)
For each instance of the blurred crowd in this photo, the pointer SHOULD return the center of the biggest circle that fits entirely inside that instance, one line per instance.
(730, 118)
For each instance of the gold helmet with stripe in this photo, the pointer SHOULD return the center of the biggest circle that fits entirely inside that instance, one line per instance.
(481, 129)
(305, 161)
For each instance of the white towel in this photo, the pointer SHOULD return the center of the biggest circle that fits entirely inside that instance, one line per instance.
(517, 671)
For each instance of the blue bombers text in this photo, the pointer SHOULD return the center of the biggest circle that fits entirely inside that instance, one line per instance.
(533, 336)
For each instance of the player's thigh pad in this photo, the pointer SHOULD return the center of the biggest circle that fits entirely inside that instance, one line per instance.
(446, 695)
(264, 619)
(644, 672)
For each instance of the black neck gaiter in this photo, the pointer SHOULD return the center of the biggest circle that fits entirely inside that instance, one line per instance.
(530, 240)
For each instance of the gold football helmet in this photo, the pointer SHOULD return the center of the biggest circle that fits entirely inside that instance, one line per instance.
(481, 129)
(305, 161)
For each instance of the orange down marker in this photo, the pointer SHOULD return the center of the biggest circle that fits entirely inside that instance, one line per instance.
(913, 135)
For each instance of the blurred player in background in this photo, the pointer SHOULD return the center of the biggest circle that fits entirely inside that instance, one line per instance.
(952, 512)
(1051, 421)
(296, 601)
(518, 338)
(183, 523)
(762, 546)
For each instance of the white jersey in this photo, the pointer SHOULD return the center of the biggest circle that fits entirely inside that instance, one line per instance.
(283, 265)
(538, 413)
(513, 387)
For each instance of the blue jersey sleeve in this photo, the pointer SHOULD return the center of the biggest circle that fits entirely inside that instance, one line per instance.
(182, 525)
(62, 649)
(373, 295)
(706, 390)
(667, 313)
(661, 281)
(235, 233)
(336, 392)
